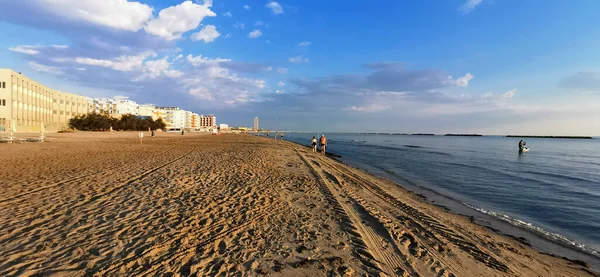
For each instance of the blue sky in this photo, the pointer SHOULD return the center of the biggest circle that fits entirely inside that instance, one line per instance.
(482, 66)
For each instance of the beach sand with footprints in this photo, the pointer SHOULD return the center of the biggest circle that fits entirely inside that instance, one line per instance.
(101, 204)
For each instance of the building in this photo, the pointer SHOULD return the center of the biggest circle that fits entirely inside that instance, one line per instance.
(30, 104)
(223, 126)
(175, 118)
(189, 118)
(256, 123)
(209, 121)
(115, 107)
(195, 121)
(148, 110)
(103, 106)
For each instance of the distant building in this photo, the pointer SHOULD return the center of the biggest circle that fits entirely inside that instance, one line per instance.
(223, 126)
(175, 118)
(195, 121)
(256, 124)
(148, 110)
(209, 121)
(115, 107)
(189, 119)
(30, 104)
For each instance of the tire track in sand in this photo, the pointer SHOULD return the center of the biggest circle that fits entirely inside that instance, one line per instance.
(434, 225)
(404, 240)
(371, 245)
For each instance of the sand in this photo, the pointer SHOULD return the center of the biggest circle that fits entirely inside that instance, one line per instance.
(101, 204)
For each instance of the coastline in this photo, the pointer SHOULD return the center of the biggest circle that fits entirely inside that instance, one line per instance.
(198, 204)
(543, 241)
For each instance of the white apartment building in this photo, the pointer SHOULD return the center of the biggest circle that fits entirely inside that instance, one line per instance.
(148, 110)
(189, 119)
(175, 118)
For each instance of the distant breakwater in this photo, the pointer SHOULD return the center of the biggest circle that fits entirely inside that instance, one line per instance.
(550, 137)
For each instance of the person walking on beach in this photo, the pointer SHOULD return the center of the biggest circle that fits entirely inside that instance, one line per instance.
(281, 136)
(314, 144)
(323, 144)
(275, 136)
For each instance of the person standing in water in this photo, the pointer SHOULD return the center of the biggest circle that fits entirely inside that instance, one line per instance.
(314, 144)
(323, 144)
(521, 145)
(281, 136)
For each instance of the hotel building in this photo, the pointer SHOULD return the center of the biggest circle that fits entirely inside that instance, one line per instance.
(30, 104)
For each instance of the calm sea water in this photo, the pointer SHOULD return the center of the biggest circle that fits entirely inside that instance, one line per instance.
(554, 190)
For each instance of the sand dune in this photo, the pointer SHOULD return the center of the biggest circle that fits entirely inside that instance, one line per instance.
(200, 205)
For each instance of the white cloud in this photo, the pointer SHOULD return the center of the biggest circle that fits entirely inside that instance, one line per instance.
(246, 7)
(304, 43)
(258, 23)
(280, 91)
(281, 84)
(208, 34)
(122, 63)
(117, 14)
(282, 70)
(275, 7)
(173, 73)
(298, 59)
(469, 6)
(227, 14)
(178, 57)
(464, 81)
(368, 108)
(153, 69)
(239, 25)
(199, 60)
(34, 49)
(45, 68)
(227, 35)
(24, 49)
(172, 22)
(255, 34)
(222, 88)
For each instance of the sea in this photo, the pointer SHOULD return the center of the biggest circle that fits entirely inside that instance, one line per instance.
(548, 197)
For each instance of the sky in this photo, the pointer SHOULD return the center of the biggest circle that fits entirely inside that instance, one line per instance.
(453, 66)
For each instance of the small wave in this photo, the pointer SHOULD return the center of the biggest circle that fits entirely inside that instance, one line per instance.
(413, 146)
(560, 176)
(526, 225)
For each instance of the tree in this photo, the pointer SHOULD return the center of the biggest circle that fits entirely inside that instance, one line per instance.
(103, 122)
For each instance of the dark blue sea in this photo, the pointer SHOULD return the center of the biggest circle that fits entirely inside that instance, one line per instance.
(553, 191)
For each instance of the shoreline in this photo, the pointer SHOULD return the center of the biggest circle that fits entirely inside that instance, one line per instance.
(103, 204)
(553, 245)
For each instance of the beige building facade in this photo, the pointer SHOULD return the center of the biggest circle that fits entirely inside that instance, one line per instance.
(30, 104)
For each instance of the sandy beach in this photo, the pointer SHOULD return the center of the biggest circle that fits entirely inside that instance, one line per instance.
(101, 204)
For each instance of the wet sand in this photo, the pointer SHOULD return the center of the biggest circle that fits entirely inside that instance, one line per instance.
(101, 204)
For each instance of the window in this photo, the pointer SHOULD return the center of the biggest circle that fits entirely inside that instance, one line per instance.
(54, 111)
(3, 84)
(53, 100)
(62, 101)
(62, 113)
(3, 102)
(68, 103)
(68, 113)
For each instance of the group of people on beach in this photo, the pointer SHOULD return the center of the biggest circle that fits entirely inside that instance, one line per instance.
(276, 134)
(322, 142)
